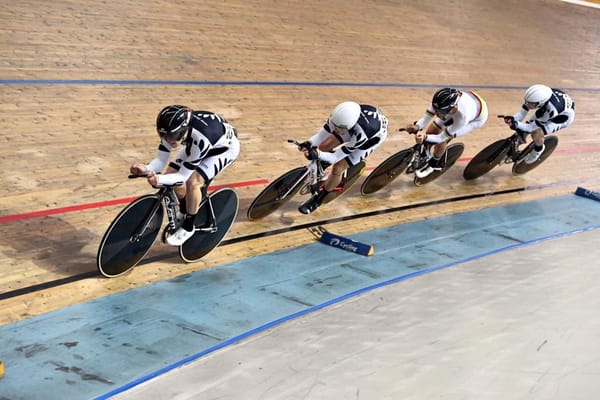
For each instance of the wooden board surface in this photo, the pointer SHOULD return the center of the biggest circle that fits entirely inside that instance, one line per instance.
(82, 83)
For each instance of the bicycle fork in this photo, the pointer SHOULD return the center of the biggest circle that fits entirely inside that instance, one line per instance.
(138, 235)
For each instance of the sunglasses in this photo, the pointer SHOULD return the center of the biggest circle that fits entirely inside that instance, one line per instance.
(177, 135)
(444, 111)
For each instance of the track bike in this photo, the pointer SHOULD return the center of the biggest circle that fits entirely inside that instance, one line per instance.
(304, 180)
(408, 161)
(506, 151)
(134, 230)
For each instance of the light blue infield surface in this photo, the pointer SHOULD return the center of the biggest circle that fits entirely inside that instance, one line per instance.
(105, 346)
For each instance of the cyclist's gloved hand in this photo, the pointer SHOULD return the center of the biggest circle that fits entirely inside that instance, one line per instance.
(510, 121)
(412, 128)
(138, 169)
(313, 153)
(152, 178)
(305, 145)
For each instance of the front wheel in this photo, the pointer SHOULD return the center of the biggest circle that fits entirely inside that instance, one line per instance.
(550, 143)
(486, 159)
(277, 193)
(387, 171)
(126, 241)
(225, 204)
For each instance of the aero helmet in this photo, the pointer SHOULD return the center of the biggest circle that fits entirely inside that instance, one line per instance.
(345, 115)
(173, 121)
(537, 95)
(444, 100)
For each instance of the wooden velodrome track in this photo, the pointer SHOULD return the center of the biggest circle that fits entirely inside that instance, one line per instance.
(82, 83)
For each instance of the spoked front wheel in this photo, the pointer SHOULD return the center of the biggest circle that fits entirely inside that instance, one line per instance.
(277, 193)
(225, 204)
(454, 151)
(486, 159)
(126, 241)
(550, 143)
(387, 171)
(352, 175)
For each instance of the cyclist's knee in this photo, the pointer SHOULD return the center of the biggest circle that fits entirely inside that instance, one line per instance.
(439, 149)
(195, 182)
(433, 129)
(339, 167)
(537, 134)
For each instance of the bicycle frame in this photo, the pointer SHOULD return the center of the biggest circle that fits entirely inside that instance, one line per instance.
(421, 154)
(510, 154)
(292, 188)
(513, 153)
(168, 200)
(314, 172)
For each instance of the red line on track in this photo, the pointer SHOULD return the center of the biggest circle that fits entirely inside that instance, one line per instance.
(589, 149)
(99, 204)
(62, 210)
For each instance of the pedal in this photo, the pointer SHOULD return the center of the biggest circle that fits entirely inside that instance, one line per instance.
(165, 234)
(304, 190)
(206, 229)
(310, 189)
(316, 188)
(520, 158)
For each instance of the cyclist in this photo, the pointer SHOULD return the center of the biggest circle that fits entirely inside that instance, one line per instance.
(555, 110)
(456, 113)
(209, 145)
(352, 132)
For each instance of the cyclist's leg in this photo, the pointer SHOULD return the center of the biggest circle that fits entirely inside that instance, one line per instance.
(538, 137)
(205, 172)
(335, 177)
(437, 153)
(440, 153)
(209, 168)
(193, 197)
(192, 202)
(180, 191)
(361, 154)
(358, 155)
(439, 150)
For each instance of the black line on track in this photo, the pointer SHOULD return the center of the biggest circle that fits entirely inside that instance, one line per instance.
(96, 274)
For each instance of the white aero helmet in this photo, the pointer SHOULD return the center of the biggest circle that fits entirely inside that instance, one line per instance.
(537, 95)
(345, 115)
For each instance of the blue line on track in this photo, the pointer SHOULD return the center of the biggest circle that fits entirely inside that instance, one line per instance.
(328, 303)
(258, 83)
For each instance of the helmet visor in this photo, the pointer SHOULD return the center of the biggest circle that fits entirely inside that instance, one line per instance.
(177, 134)
(444, 110)
(338, 127)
